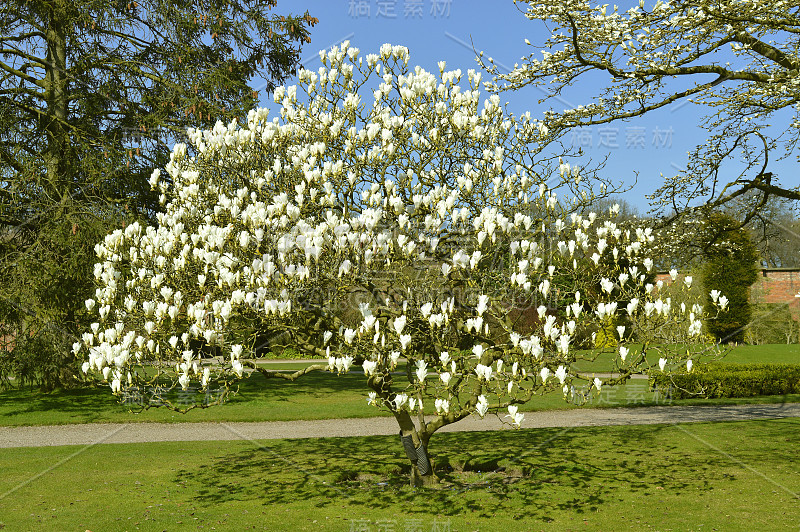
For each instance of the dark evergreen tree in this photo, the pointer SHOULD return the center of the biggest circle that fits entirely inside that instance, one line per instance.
(731, 267)
(93, 93)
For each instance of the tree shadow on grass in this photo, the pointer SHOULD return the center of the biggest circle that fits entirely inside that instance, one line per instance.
(531, 474)
(86, 403)
(94, 403)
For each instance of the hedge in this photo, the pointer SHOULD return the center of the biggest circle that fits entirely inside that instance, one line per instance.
(729, 380)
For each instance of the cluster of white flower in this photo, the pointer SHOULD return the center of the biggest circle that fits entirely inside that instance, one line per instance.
(420, 201)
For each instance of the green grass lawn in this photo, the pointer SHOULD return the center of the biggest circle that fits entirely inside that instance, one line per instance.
(764, 354)
(721, 476)
(742, 354)
(318, 395)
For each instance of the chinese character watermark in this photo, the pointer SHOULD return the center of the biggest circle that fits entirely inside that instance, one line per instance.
(635, 137)
(609, 137)
(441, 8)
(399, 525)
(359, 8)
(413, 9)
(662, 138)
(386, 9)
(389, 9)
(630, 395)
(157, 395)
(582, 138)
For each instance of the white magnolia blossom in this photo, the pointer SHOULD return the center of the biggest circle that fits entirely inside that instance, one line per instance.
(623, 352)
(394, 356)
(442, 405)
(484, 372)
(544, 373)
(478, 350)
(561, 374)
(516, 417)
(369, 367)
(405, 339)
(482, 406)
(422, 370)
(400, 400)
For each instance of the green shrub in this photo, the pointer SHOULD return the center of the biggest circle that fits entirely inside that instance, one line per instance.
(288, 353)
(729, 380)
(606, 336)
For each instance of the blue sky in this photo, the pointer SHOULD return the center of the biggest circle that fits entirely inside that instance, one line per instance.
(435, 30)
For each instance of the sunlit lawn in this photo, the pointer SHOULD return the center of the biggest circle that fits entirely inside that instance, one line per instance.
(721, 476)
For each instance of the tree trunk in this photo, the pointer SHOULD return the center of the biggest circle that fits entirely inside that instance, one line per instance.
(55, 116)
(415, 444)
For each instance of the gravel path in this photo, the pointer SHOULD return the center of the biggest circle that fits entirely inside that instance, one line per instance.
(99, 433)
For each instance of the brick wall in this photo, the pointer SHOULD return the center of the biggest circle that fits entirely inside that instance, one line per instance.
(777, 286)
(661, 276)
(774, 285)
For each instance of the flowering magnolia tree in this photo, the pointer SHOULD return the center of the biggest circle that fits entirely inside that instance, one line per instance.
(390, 224)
